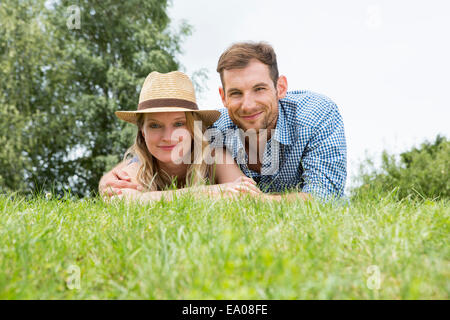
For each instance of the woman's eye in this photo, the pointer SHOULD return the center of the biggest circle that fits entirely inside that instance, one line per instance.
(154, 126)
(179, 124)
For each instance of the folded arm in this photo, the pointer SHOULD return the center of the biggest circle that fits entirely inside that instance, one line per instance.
(117, 179)
(229, 182)
(325, 159)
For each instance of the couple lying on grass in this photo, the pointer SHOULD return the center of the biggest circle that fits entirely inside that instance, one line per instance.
(266, 140)
(164, 153)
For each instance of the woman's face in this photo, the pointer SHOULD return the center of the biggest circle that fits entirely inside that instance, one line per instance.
(167, 137)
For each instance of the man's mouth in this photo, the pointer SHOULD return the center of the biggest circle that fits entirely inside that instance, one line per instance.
(252, 116)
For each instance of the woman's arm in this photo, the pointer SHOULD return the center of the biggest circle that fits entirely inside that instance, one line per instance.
(229, 181)
(226, 169)
(147, 196)
(115, 180)
(227, 190)
(228, 175)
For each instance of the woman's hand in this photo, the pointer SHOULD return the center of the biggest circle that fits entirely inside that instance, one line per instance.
(118, 179)
(242, 184)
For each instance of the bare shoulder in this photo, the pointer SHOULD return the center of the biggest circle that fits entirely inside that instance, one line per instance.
(222, 156)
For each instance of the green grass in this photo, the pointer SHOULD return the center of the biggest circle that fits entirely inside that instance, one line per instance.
(204, 249)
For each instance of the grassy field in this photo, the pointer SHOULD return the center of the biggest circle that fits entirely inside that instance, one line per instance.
(204, 249)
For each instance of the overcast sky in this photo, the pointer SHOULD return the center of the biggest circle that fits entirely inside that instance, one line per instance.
(386, 64)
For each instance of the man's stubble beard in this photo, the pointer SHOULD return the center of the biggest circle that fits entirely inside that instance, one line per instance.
(269, 120)
(269, 123)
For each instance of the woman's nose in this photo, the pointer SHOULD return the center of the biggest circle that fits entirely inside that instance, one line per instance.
(167, 134)
(173, 135)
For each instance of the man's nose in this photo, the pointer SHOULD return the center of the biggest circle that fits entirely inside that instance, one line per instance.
(248, 103)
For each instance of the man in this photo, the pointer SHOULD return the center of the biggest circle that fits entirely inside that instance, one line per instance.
(282, 140)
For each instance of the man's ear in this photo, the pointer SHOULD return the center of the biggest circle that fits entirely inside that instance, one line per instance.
(282, 87)
(222, 96)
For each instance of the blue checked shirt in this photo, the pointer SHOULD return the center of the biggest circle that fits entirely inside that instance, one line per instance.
(307, 151)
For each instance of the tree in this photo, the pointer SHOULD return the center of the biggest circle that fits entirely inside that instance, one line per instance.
(62, 85)
(422, 172)
(26, 54)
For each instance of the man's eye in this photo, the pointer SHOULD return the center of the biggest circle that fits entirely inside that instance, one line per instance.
(179, 124)
(235, 94)
(260, 89)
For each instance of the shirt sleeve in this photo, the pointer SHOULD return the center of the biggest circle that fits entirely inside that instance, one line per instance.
(325, 159)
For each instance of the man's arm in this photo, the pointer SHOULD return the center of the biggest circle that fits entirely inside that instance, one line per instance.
(325, 160)
(293, 196)
(115, 180)
(296, 195)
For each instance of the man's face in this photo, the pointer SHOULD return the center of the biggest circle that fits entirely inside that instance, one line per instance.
(250, 96)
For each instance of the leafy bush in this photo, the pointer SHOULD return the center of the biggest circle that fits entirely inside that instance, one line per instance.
(419, 173)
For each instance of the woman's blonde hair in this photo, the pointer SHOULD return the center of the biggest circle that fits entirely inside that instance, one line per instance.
(151, 177)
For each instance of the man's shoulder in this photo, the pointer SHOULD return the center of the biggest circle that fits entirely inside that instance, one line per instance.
(224, 122)
(308, 108)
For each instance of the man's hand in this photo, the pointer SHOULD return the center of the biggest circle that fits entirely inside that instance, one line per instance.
(114, 181)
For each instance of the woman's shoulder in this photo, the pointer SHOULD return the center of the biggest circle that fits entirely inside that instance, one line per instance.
(221, 156)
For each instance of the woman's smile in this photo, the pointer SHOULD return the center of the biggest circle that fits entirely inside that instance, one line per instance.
(168, 148)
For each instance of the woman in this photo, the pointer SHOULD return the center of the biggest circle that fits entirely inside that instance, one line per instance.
(170, 149)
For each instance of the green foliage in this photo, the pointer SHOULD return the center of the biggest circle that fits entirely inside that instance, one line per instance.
(422, 172)
(60, 86)
(203, 249)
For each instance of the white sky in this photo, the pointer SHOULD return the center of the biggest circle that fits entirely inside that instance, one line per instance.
(386, 64)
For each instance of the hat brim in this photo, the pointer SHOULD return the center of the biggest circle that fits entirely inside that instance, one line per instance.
(207, 116)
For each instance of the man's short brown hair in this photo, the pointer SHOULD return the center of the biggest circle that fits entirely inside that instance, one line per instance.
(239, 55)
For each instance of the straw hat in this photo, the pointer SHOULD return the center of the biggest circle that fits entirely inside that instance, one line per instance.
(168, 92)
